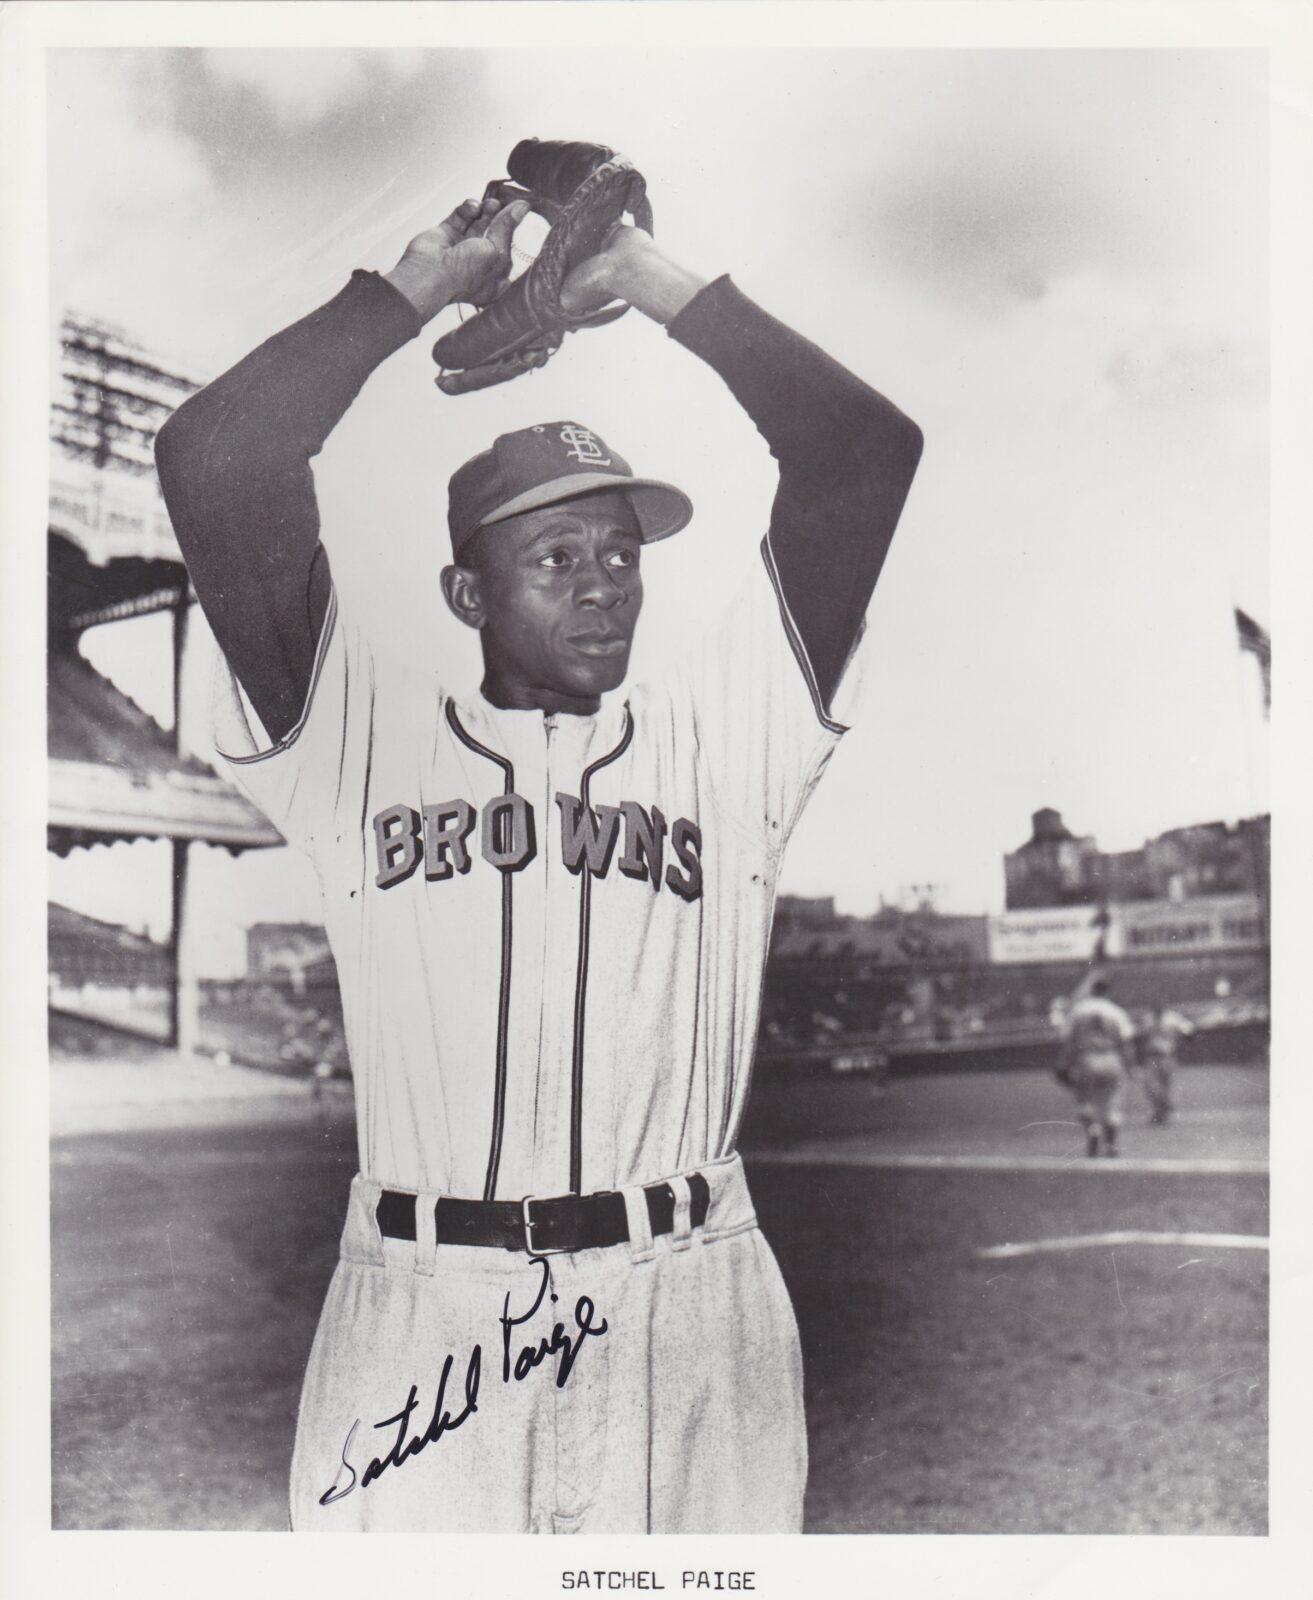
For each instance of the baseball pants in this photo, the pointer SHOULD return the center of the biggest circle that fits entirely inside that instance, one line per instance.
(1158, 1077)
(1099, 1083)
(653, 1386)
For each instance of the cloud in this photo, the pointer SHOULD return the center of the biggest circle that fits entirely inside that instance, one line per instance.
(122, 188)
(317, 83)
(1170, 371)
(1013, 171)
(101, 146)
(988, 233)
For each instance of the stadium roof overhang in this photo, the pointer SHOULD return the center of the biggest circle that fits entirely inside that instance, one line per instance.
(83, 595)
(114, 774)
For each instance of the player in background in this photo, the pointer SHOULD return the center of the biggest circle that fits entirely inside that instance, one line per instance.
(1158, 1043)
(1094, 1064)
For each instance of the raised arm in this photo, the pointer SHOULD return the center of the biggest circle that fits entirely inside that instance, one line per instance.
(234, 460)
(846, 455)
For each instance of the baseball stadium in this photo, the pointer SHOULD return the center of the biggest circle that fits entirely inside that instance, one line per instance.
(1027, 1304)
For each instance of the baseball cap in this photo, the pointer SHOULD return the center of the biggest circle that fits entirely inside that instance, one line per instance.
(548, 462)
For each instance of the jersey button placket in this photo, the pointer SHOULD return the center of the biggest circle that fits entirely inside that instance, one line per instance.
(549, 1165)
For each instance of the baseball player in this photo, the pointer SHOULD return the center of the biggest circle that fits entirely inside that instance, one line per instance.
(1158, 1043)
(1093, 1065)
(549, 905)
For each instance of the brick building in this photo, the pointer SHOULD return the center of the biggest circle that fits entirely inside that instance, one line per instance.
(1058, 868)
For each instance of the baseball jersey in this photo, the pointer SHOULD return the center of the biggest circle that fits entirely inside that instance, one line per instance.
(550, 930)
(1165, 1033)
(1097, 1027)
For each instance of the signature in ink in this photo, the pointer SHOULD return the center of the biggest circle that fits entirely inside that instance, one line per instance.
(560, 1345)
(403, 1449)
(565, 1347)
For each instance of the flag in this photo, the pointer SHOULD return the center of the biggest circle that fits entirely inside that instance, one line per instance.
(1254, 639)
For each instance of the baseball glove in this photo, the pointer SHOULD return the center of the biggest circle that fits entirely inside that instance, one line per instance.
(581, 191)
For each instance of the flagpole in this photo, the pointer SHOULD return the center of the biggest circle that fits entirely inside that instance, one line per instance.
(1254, 641)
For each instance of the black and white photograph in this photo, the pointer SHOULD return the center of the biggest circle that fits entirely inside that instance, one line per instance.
(658, 707)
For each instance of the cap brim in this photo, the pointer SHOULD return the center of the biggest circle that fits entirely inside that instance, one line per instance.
(661, 509)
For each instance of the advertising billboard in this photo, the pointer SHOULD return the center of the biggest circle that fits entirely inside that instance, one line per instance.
(1139, 928)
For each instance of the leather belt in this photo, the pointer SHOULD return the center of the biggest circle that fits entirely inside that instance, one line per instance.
(541, 1225)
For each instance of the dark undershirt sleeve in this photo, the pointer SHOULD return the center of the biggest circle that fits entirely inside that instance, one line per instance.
(234, 465)
(846, 459)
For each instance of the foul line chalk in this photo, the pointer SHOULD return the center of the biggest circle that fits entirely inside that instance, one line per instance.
(819, 1157)
(1095, 1241)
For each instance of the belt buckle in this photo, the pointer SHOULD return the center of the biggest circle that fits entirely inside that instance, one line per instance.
(557, 1250)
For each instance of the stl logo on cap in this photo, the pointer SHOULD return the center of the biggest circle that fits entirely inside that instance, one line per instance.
(584, 445)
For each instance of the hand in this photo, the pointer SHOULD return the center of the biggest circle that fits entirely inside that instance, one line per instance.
(630, 267)
(594, 282)
(467, 257)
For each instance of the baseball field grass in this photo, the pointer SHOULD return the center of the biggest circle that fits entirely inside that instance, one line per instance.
(1095, 1388)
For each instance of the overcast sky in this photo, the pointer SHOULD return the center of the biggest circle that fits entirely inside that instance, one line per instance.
(1054, 261)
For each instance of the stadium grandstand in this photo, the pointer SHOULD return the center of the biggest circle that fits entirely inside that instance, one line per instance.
(115, 774)
(913, 991)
